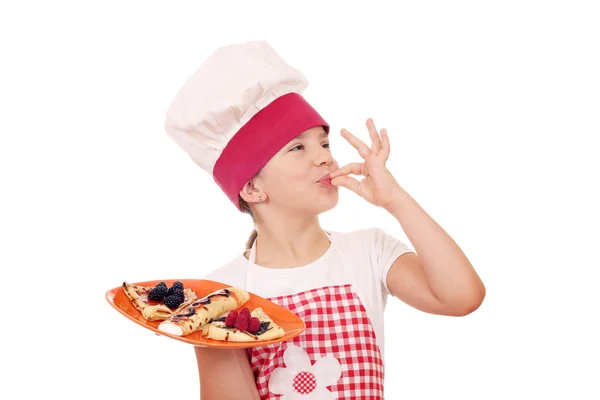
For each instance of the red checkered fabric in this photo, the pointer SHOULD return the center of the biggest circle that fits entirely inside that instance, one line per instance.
(336, 324)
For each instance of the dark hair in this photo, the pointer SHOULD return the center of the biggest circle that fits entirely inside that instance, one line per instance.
(246, 209)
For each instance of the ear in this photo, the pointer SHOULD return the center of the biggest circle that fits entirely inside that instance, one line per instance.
(251, 193)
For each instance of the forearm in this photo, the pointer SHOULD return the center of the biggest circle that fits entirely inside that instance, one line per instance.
(450, 275)
(225, 374)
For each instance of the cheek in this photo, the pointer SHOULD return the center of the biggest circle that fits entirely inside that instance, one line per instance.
(293, 179)
(283, 181)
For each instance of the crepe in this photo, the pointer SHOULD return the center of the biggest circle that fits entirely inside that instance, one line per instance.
(152, 310)
(202, 311)
(269, 330)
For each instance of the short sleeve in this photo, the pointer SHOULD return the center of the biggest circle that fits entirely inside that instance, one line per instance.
(385, 250)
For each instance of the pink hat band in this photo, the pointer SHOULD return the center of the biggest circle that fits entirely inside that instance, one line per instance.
(260, 139)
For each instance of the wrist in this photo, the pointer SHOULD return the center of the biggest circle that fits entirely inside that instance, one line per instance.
(399, 199)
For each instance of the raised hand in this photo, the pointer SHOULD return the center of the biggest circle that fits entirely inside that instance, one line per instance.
(378, 185)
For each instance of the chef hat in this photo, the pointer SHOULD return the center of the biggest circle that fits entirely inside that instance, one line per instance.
(237, 110)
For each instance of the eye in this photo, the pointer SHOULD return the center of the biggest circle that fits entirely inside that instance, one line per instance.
(297, 147)
(326, 145)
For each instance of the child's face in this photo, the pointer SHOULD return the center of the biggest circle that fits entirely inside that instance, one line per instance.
(292, 178)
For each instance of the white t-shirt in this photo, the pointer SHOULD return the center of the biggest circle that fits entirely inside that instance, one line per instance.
(361, 258)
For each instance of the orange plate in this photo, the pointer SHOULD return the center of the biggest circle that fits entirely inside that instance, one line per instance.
(291, 324)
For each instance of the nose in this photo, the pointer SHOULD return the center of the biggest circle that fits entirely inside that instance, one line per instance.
(323, 157)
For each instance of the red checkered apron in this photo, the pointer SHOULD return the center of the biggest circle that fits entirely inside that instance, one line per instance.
(337, 326)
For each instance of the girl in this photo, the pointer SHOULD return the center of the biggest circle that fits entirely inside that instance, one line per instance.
(242, 118)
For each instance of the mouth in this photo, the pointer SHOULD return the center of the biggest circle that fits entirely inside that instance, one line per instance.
(325, 180)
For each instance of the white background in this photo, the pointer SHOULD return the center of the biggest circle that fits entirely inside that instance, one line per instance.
(492, 109)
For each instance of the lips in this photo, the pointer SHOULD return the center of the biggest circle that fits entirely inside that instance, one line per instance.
(325, 180)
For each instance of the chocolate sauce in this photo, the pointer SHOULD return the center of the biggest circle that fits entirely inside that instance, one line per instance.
(206, 300)
(202, 301)
(264, 326)
(191, 312)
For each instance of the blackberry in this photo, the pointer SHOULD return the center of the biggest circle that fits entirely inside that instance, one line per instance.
(158, 293)
(173, 301)
(180, 298)
(177, 285)
(175, 290)
(162, 284)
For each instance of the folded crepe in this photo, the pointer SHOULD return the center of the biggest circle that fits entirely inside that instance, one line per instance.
(202, 311)
(138, 295)
(269, 330)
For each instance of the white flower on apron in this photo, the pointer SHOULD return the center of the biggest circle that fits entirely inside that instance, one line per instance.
(302, 380)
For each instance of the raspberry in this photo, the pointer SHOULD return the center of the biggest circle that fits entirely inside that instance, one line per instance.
(253, 325)
(246, 312)
(231, 317)
(242, 321)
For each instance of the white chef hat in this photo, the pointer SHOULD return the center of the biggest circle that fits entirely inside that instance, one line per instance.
(237, 110)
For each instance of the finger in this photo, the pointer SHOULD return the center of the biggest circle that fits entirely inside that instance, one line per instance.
(375, 139)
(347, 182)
(385, 145)
(352, 168)
(362, 148)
